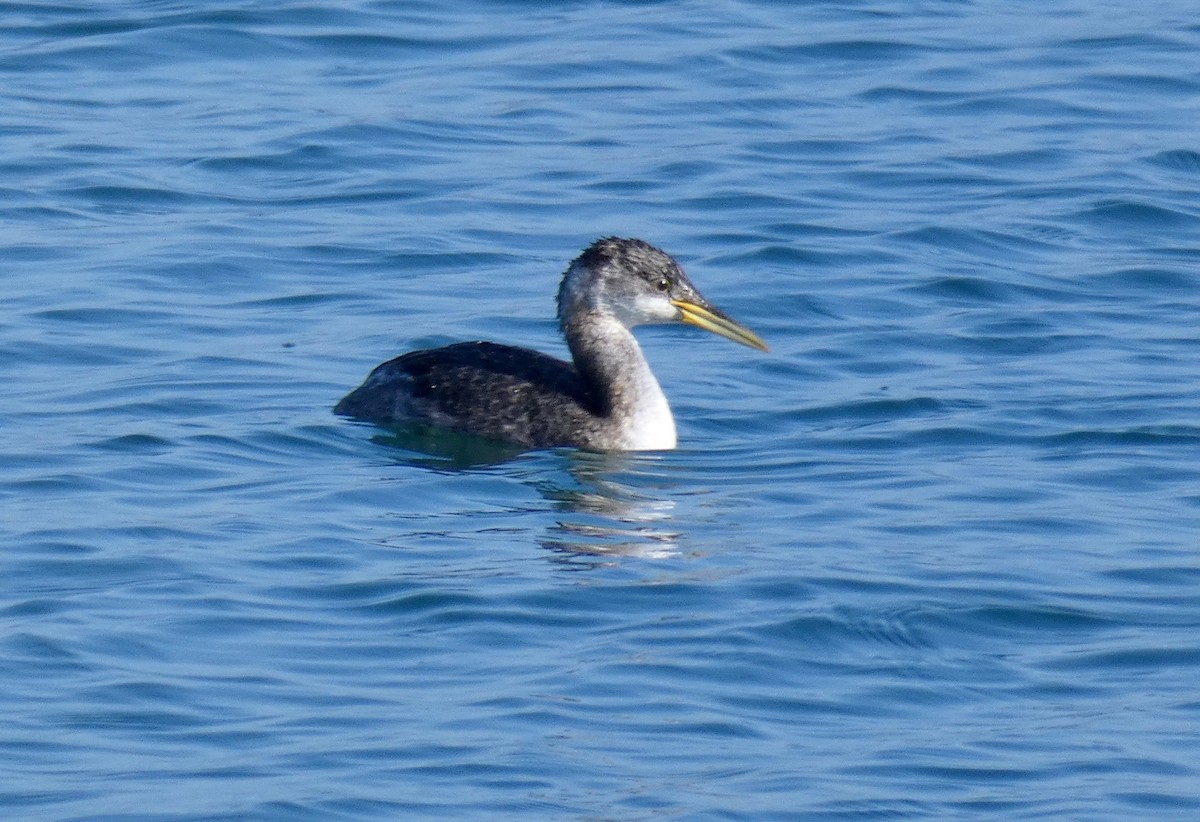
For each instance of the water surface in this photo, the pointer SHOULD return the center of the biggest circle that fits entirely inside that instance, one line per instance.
(933, 557)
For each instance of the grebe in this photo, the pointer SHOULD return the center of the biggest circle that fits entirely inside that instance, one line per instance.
(606, 400)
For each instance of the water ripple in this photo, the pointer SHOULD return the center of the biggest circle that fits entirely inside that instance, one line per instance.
(939, 544)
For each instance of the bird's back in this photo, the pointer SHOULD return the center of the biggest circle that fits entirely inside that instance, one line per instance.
(496, 391)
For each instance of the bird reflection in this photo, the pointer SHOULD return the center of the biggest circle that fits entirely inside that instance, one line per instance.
(600, 516)
(608, 518)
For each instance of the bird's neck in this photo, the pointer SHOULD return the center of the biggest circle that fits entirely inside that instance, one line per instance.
(609, 359)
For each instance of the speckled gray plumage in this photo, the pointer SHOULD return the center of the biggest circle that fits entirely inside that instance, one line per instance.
(497, 391)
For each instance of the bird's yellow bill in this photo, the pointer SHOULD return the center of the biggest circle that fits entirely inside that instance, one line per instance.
(712, 320)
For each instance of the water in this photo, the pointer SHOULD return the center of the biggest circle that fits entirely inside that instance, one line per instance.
(933, 557)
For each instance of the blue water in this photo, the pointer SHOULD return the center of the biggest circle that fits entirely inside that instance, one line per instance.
(935, 556)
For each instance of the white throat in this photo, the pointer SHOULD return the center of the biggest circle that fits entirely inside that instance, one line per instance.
(643, 412)
(651, 427)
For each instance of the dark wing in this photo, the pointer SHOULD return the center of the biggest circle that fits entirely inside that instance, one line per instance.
(496, 391)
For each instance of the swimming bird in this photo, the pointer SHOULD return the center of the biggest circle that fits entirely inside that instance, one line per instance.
(607, 399)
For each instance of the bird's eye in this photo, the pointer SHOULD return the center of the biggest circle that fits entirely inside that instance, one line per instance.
(663, 284)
